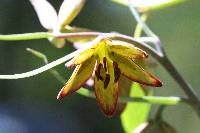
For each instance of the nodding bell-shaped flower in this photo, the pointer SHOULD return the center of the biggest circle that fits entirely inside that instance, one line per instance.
(108, 60)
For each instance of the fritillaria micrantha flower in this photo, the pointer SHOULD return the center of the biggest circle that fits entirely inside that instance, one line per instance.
(108, 60)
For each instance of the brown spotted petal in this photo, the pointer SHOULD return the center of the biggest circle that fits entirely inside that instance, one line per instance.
(124, 90)
(134, 72)
(81, 58)
(106, 89)
(80, 75)
(128, 51)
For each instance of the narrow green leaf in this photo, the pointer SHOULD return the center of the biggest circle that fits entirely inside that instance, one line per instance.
(135, 113)
(150, 4)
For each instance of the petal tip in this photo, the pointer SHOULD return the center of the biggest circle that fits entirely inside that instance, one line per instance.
(145, 55)
(68, 65)
(109, 113)
(158, 83)
(61, 95)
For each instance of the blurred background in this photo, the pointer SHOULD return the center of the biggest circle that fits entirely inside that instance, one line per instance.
(30, 105)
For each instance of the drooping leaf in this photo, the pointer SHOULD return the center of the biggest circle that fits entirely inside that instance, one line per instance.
(135, 113)
(80, 75)
(46, 13)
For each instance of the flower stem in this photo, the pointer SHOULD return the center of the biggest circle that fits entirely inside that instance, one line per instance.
(145, 27)
(160, 112)
(186, 87)
(41, 69)
(145, 99)
(26, 36)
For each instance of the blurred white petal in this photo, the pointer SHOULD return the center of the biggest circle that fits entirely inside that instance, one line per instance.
(46, 13)
(148, 3)
(69, 10)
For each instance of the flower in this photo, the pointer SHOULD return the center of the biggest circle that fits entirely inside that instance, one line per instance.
(108, 60)
(58, 22)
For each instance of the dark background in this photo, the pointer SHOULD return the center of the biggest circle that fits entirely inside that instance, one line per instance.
(30, 105)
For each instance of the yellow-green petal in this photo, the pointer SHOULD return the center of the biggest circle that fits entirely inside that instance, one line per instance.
(106, 90)
(81, 58)
(128, 51)
(124, 90)
(80, 75)
(134, 72)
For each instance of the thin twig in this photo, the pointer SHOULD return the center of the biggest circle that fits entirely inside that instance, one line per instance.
(146, 29)
(41, 69)
(194, 100)
(160, 112)
(26, 36)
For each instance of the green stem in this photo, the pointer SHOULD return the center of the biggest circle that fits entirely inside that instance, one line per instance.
(153, 100)
(41, 69)
(145, 27)
(26, 36)
(186, 87)
(138, 29)
(144, 99)
(160, 112)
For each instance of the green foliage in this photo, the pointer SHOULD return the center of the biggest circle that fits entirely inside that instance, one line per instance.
(135, 113)
(145, 5)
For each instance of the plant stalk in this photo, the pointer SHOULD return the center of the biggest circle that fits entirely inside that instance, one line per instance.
(193, 98)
